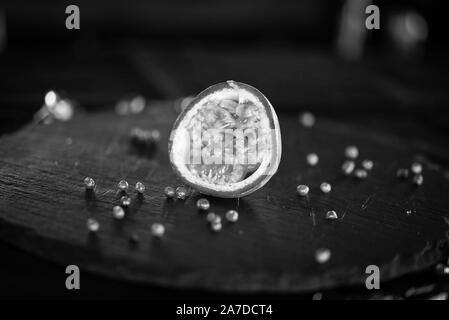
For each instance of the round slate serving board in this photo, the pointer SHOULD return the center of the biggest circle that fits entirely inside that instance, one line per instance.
(382, 220)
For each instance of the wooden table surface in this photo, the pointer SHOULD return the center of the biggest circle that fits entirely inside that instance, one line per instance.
(44, 207)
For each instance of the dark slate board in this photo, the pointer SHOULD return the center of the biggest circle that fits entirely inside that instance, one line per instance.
(44, 207)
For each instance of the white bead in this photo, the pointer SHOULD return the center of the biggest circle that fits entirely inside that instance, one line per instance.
(322, 255)
(203, 204)
(325, 187)
(216, 226)
(307, 119)
(360, 173)
(351, 152)
(232, 215)
(157, 229)
(92, 225)
(331, 215)
(312, 159)
(348, 167)
(416, 168)
(89, 183)
(123, 185)
(367, 164)
(140, 187)
(169, 192)
(125, 201)
(418, 180)
(181, 193)
(118, 212)
(302, 190)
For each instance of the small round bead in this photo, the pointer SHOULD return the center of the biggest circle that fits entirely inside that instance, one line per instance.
(216, 226)
(134, 238)
(360, 173)
(232, 215)
(402, 173)
(322, 255)
(92, 225)
(123, 185)
(89, 183)
(125, 201)
(325, 187)
(416, 168)
(351, 152)
(211, 217)
(367, 164)
(169, 192)
(418, 179)
(302, 190)
(140, 187)
(118, 212)
(307, 119)
(157, 229)
(181, 193)
(331, 215)
(203, 204)
(348, 167)
(312, 159)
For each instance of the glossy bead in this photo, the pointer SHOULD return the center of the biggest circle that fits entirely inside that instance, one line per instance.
(203, 204)
(89, 183)
(348, 167)
(157, 229)
(360, 173)
(140, 187)
(118, 212)
(181, 193)
(307, 119)
(92, 225)
(302, 190)
(418, 179)
(402, 173)
(322, 255)
(123, 185)
(312, 159)
(331, 215)
(216, 226)
(169, 192)
(367, 164)
(125, 201)
(416, 167)
(211, 217)
(325, 187)
(232, 215)
(351, 152)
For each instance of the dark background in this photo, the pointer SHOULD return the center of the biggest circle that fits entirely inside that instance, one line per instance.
(296, 52)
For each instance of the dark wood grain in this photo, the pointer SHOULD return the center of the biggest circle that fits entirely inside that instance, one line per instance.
(44, 207)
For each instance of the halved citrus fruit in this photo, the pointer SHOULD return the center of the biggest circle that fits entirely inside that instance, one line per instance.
(227, 141)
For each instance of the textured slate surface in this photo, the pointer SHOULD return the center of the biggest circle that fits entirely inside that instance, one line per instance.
(43, 209)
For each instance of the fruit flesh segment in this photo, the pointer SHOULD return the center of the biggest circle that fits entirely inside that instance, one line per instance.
(215, 120)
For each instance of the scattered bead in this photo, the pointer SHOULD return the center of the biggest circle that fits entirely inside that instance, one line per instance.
(125, 201)
(402, 173)
(169, 192)
(203, 204)
(89, 183)
(348, 167)
(317, 296)
(157, 229)
(360, 173)
(181, 193)
(118, 212)
(307, 119)
(418, 179)
(216, 226)
(367, 164)
(142, 136)
(232, 215)
(123, 185)
(312, 159)
(331, 215)
(212, 217)
(140, 187)
(92, 225)
(322, 255)
(302, 190)
(51, 98)
(325, 187)
(351, 152)
(416, 168)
